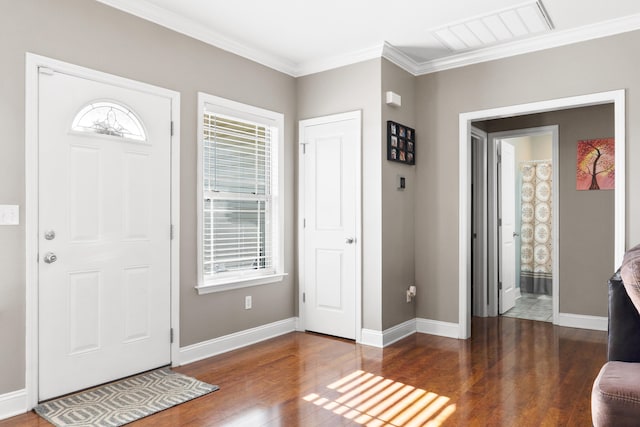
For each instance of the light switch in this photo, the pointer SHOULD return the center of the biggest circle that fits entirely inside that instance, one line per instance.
(9, 215)
(402, 183)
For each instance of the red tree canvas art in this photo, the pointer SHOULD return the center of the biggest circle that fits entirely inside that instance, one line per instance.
(595, 168)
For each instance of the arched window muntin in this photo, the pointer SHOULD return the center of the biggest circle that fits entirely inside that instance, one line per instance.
(110, 118)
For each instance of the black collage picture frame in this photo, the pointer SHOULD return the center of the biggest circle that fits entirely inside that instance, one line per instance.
(401, 143)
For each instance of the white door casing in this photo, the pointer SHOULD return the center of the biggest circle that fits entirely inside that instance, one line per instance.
(330, 211)
(465, 121)
(105, 303)
(507, 258)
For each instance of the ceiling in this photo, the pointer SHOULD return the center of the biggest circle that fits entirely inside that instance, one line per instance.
(300, 37)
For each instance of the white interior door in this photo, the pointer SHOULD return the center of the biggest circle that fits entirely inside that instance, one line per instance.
(330, 236)
(104, 234)
(479, 266)
(507, 230)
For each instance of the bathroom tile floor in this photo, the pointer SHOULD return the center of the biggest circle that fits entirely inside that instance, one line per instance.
(532, 307)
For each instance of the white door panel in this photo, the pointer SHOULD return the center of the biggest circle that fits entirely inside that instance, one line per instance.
(329, 192)
(104, 304)
(507, 231)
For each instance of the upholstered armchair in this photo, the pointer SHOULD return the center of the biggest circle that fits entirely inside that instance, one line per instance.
(615, 397)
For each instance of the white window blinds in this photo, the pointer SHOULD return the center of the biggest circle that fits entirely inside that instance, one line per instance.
(237, 197)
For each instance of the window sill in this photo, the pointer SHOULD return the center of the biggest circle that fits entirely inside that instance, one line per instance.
(209, 288)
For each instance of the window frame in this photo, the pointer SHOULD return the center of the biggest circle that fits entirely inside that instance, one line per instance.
(217, 105)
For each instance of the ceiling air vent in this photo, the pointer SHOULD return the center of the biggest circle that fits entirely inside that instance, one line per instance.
(505, 25)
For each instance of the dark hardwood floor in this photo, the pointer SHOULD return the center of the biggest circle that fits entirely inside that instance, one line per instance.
(512, 372)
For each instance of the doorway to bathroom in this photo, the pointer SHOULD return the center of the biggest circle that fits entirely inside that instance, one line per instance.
(524, 230)
(514, 202)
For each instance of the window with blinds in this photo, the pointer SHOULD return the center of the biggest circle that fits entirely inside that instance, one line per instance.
(237, 195)
(238, 238)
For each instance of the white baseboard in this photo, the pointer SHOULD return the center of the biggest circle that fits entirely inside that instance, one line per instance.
(202, 350)
(436, 327)
(12, 404)
(388, 336)
(372, 338)
(582, 321)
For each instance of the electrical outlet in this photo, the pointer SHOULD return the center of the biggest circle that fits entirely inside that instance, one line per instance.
(411, 293)
(247, 302)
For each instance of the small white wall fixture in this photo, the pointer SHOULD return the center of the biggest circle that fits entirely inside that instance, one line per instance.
(615, 97)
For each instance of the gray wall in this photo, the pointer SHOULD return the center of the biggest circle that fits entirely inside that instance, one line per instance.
(397, 206)
(441, 97)
(93, 35)
(387, 264)
(357, 87)
(586, 217)
(90, 34)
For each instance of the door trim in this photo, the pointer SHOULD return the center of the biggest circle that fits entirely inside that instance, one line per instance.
(33, 63)
(555, 213)
(616, 97)
(357, 115)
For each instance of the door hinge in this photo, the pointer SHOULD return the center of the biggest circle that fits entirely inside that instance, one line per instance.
(171, 336)
(500, 285)
(171, 126)
(499, 222)
(171, 232)
(304, 297)
(304, 222)
(304, 147)
(499, 158)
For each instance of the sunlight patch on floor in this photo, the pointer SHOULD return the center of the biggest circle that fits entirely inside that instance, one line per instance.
(375, 401)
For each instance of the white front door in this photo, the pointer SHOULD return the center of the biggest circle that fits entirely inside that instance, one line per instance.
(103, 232)
(507, 230)
(329, 205)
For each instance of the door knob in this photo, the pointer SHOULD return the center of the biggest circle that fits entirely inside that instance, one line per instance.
(50, 258)
(349, 240)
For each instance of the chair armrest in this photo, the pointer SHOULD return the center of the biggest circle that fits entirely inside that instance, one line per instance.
(624, 324)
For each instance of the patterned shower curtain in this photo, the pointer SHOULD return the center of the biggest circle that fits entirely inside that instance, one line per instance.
(535, 232)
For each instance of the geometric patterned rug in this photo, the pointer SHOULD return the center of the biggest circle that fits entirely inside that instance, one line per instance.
(123, 401)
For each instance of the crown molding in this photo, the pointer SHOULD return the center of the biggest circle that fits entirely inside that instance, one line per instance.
(157, 15)
(325, 64)
(534, 44)
(150, 12)
(401, 59)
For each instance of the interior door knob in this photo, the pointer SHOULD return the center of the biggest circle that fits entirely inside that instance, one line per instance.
(50, 258)
(349, 240)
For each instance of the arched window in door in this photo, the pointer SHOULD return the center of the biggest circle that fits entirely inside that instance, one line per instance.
(109, 118)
